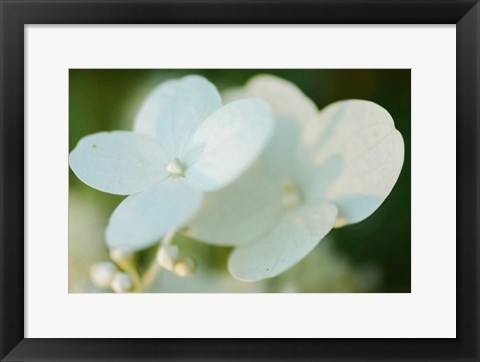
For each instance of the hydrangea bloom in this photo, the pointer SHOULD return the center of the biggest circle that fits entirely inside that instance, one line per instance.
(320, 169)
(184, 143)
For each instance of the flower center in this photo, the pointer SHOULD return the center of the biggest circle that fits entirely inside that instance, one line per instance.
(291, 195)
(175, 167)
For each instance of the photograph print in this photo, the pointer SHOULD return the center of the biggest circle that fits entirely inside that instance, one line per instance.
(239, 181)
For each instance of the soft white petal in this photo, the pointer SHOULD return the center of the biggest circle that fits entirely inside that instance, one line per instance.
(227, 143)
(355, 208)
(238, 213)
(118, 162)
(317, 180)
(287, 154)
(294, 236)
(281, 155)
(174, 110)
(142, 219)
(364, 135)
(286, 98)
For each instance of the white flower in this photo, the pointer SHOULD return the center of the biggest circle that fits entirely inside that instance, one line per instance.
(321, 169)
(184, 143)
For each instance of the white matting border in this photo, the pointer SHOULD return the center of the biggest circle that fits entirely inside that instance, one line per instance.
(429, 311)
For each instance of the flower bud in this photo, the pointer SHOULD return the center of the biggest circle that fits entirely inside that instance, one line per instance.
(120, 255)
(167, 256)
(122, 283)
(184, 267)
(101, 274)
(175, 167)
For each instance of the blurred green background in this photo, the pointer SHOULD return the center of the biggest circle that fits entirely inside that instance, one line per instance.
(372, 256)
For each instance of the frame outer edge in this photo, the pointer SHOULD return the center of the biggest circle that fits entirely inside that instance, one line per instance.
(12, 178)
(468, 181)
(11, 192)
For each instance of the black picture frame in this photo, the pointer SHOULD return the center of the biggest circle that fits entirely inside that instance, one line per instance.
(15, 14)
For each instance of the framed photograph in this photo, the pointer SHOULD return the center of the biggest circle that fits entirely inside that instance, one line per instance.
(239, 180)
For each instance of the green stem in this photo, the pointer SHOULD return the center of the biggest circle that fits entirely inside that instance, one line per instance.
(150, 276)
(153, 270)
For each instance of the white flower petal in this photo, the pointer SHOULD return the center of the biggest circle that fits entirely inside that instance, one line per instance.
(286, 98)
(227, 143)
(118, 162)
(142, 219)
(355, 208)
(281, 155)
(316, 180)
(297, 233)
(175, 109)
(239, 213)
(364, 135)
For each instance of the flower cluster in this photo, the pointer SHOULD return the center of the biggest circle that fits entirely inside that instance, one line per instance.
(267, 172)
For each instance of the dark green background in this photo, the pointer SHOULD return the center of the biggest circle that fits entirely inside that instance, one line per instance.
(102, 100)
